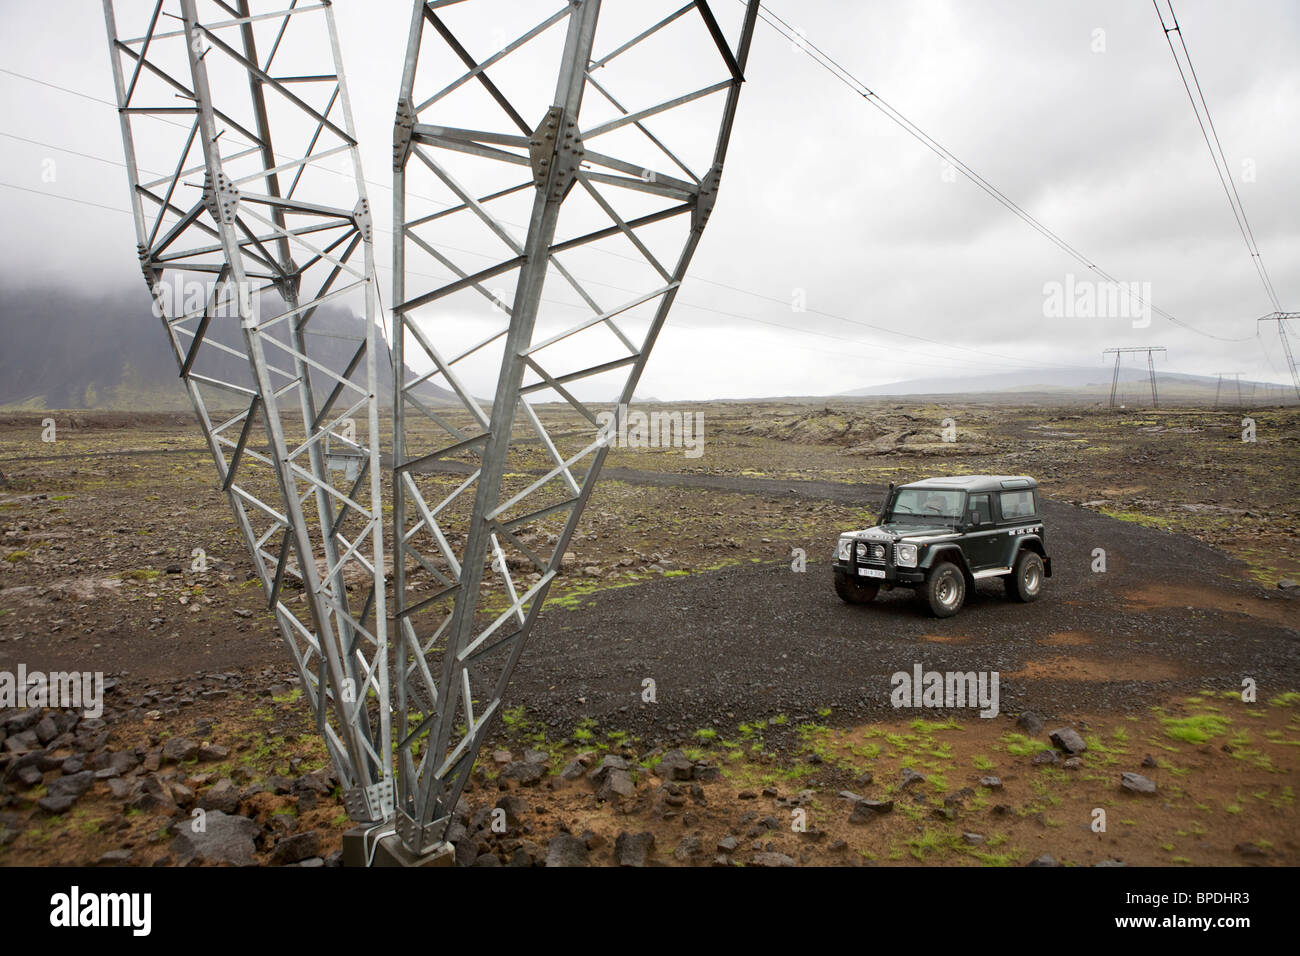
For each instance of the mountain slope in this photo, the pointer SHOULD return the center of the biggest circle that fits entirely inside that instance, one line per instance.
(1080, 384)
(64, 349)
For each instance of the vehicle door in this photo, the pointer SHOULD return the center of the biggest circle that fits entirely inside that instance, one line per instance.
(984, 542)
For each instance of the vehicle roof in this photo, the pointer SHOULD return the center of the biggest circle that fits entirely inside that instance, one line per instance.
(975, 483)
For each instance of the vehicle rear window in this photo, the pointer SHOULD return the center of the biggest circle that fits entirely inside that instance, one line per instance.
(1018, 504)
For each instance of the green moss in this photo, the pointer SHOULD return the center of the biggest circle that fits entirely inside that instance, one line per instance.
(1197, 729)
(1018, 745)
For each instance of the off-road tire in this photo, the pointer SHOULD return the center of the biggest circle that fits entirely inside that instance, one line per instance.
(945, 589)
(1025, 582)
(855, 592)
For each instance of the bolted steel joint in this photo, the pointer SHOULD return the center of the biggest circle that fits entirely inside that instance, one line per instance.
(289, 284)
(705, 198)
(372, 804)
(361, 217)
(403, 128)
(416, 838)
(221, 197)
(146, 264)
(556, 151)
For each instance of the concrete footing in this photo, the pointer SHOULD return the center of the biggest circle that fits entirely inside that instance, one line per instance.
(361, 848)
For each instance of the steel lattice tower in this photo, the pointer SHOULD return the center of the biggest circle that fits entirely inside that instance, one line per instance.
(614, 178)
(253, 209)
(1151, 369)
(252, 222)
(1281, 319)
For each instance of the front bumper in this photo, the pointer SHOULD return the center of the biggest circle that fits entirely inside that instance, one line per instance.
(893, 575)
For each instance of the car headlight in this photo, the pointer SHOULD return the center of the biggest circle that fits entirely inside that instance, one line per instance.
(905, 555)
(845, 548)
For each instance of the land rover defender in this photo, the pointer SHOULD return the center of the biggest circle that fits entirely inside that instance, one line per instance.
(941, 535)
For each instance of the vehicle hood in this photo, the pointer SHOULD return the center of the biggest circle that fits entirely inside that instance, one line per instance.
(892, 532)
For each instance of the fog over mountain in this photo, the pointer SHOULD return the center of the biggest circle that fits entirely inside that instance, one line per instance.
(69, 348)
(900, 268)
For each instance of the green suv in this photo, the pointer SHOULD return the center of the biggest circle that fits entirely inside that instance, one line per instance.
(942, 535)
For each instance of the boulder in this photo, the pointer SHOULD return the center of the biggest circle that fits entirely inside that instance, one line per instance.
(63, 792)
(224, 839)
(1136, 783)
(1068, 740)
(565, 849)
(634, 849)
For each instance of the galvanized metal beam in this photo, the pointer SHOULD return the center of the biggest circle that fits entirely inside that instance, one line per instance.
(463, 619)
(266, 257)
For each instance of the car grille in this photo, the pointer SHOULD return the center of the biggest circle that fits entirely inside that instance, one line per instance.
(871, 553)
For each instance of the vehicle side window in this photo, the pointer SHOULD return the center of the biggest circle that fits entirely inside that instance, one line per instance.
(1018, 504)
(979, 509)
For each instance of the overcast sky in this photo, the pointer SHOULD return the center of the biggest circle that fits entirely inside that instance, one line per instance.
(825, 201)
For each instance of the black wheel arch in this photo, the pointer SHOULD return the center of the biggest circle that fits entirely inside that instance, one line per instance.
(952, 555)
(1032, 542)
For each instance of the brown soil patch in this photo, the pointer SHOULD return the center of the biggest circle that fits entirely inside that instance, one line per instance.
(1278, 610)
(1068, 639)
(946, 638)
(1082, 669)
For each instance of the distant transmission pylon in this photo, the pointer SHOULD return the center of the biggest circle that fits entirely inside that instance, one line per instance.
(1281, 319)
(481, 144)
(1218, 386)
(260, 220)
(1151, 366)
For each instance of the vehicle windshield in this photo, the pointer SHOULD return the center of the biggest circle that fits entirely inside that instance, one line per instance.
(926, 505)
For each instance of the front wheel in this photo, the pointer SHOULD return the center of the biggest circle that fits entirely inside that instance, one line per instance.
(1025, 581)
(855, 592)
(945, 589)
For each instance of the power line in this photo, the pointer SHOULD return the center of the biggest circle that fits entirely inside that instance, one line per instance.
(1019, 363)
(64, 89)
(872, 97)
(1226, 179)
(682, 303)
(50, 195)
(690, 305)
(694, 278)
(839, 72)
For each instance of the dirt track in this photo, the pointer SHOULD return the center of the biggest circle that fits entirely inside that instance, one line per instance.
(753, 640)
(756, 640)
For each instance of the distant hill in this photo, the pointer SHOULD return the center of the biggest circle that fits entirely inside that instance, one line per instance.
(1075, 385)
(63, 349)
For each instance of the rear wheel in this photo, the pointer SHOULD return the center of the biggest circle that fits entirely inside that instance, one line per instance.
(945, 589)
(855, 592)
(1025, 581)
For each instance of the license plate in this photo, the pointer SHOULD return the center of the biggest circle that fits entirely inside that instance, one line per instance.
(871, 573)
